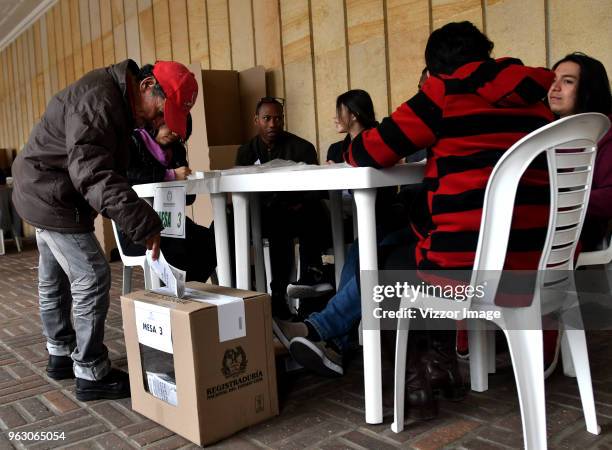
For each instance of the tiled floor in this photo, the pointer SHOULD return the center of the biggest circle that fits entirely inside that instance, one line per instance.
(315, 412)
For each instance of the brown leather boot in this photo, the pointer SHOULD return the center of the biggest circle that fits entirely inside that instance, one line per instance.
(442, 368)
(419, 400)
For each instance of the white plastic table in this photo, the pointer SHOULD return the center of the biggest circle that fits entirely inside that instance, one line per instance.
(334, 178)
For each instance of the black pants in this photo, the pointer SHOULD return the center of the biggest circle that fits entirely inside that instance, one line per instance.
(195, 254)
(300, 217)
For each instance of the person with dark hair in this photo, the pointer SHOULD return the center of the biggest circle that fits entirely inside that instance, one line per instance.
(582, 85)
(288, 215)
(161, 156)
(470, 110)
(354, 113)
(68, 172)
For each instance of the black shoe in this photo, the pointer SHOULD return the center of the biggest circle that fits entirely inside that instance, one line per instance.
(319, 357)
(60, 367)
(116, 384)
(311, 284)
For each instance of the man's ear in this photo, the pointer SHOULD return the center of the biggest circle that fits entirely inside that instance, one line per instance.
(255, 119)
(146, 83)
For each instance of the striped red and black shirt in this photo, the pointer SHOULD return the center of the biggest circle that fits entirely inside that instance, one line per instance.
(467, 120)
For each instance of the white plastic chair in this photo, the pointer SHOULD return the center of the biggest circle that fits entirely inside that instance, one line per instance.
(128, 263)
(597, 257)
(15, 237)
(570, 180)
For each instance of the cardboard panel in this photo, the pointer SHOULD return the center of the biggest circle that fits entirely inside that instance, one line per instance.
(252, 87)
(147, 35)
(119, 39)
(367, 62)
(223, 156)
(218, 34)
(266, 19)
(197, 151)
(408, 30)
(67, 39)
(583, 26)
(106, 24)
(132, 32)
(198, 32)
(161, 23)
(77, 41)
(331, 74)
(180, 31)
(445, 11)
(97, 49)
(221, 97)
(85, 36)
(241, 30)
(300, 117)
(527, 42)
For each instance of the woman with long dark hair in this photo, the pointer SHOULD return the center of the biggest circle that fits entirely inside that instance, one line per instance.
(354, 113)
(581, 85)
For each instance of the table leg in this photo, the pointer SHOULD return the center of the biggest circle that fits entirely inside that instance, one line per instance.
(224, 269)
(335, 200)
(365, 200)
(241, 234)
(260, 271)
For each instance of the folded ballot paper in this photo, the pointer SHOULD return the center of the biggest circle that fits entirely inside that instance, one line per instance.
(173, 278)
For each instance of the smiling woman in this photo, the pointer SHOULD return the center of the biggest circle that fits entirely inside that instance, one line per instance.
(581, 85)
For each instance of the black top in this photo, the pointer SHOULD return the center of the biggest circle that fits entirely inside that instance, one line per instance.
(334, 153)
(288, 146)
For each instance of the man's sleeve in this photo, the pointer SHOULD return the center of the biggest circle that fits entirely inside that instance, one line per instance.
(91, 145)
(412, 127)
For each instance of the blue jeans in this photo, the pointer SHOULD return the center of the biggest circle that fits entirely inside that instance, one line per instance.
(343, 311)
(74, 275)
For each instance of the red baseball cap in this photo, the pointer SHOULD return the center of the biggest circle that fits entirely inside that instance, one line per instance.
(181, 90)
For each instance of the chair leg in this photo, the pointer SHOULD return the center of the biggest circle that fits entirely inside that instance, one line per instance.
(479, 366)
(2, 242)
(566, 358)
(17, 239)
(127, 280)
(576, 343)
(526, 350)
(401, 347)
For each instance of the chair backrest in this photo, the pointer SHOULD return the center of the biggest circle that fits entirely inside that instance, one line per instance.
(570, 144)
(129, 261)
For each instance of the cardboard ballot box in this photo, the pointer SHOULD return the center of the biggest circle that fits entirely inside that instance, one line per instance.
(203, 368)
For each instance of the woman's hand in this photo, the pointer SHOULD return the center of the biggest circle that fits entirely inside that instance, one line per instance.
(182, 172)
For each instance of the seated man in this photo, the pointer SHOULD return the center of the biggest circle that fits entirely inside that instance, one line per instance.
(286, 216)
(160, 156)
(471, 109)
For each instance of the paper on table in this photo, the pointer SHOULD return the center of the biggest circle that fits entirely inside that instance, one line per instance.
(173, 278)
